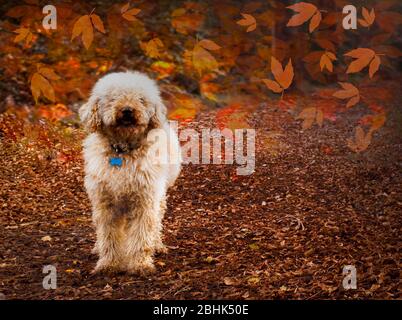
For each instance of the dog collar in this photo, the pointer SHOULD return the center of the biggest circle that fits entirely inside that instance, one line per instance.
(122, 148)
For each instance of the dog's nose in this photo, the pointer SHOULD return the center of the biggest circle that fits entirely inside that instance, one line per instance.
(127, 112)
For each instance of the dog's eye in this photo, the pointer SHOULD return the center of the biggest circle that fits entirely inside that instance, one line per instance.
(142, 100)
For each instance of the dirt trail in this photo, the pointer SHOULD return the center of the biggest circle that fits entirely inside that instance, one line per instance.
(286, 231)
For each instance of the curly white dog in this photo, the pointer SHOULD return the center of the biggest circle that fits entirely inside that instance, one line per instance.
(131, 156)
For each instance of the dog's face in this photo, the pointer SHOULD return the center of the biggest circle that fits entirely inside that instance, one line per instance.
(123, 105)
(124, 113)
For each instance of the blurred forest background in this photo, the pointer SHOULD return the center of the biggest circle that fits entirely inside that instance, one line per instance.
(207, 54)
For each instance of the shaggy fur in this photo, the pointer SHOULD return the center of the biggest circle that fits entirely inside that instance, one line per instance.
(128, 202)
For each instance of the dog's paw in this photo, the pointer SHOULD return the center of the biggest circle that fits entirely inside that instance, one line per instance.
(143, 266)
(161, 248)
(105, 266)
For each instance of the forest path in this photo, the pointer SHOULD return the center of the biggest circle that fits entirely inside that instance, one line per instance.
(311, 207)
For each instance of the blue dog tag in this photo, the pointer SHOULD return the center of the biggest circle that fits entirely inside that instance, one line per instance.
(118, 162)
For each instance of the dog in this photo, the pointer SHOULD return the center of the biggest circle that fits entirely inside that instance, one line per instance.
(126, 172)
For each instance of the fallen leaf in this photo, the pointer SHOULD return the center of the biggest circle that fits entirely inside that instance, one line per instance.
(129, 15)
(40, 85)
(97, 22)
(305, 11)
(349, 92)
(326, 61)
(23, 34)
(46, 238)
(368, 17)
(254, 246)
(83, 26)
(230, 281)
(308, 115)
(152, 47)
(253, 280)
(283, 78)
(248, 21)
(361, 140)
(364, 57)
(209, 45)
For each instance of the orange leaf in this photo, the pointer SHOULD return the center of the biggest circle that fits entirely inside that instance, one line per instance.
(369, 17)
(125, 7)
(96, 20)
(361, 140)
(305, 12)
(22, 34)
(39, 85)
(83, 26)
(209, 44)
(315, 21)
(325, 62)
(48, 73)
(308, 115)
(363, 57)
(249, 21)
(350, 91)
(374, 65)
(284, 77)
(202, 60)
(273, 85)
(151, 48)
(353, 101)
(129, 15)
(377, 122)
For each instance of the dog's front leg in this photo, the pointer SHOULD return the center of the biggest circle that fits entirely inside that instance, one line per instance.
(108, 241)
(142, 233)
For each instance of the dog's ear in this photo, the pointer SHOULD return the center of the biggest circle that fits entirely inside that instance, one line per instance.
(89, 115)
(159, 116)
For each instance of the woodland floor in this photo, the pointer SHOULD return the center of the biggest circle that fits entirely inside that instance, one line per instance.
(284, 232)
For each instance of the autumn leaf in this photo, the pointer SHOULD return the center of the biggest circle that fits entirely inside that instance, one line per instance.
(201, 59)
(48, 73)
(364, 57)
(361, 140)
(377, 121)
(248, 21)
(283, 78)
(230, 281)
(23, 33)
(309, 116)
(184, 21)
(374, 66)
(305, 11)
(326, 61)
(315, 21)
(151, 48)
(46, 238)
(209, 45)
(129, 14)
(368, 17)
(97, 22)
(273, 85)
(40, 83)
(253, 280)
(349, 92)
(163, 68)
(83, 26)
